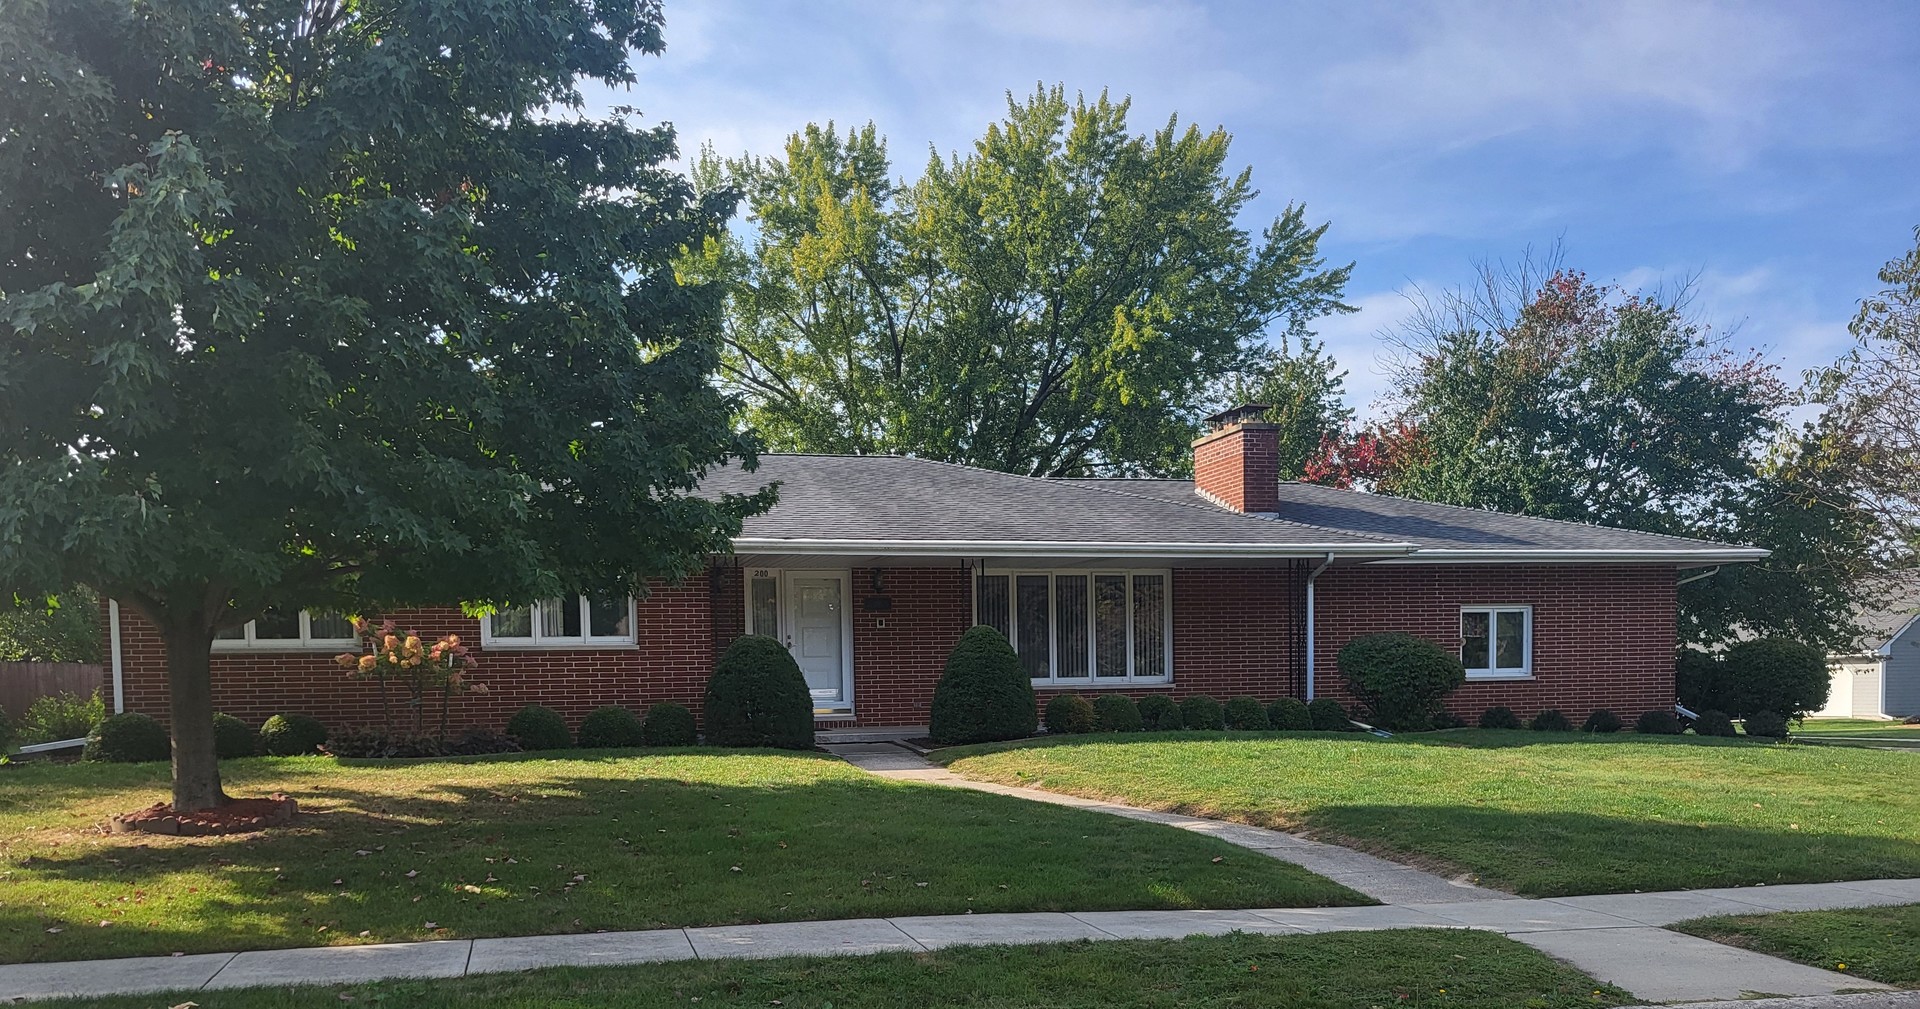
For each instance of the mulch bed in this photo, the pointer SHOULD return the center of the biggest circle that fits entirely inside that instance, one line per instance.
(238, 816)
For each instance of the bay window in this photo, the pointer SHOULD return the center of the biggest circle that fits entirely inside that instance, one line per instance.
(1496, 641)
(1080, 627)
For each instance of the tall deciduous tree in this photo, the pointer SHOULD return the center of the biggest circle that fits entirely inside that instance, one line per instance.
(1305, 391)
(1062, 299)
(1541, 393)
(337, 302)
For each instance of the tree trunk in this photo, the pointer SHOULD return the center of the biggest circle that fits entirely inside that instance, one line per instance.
(196, 770)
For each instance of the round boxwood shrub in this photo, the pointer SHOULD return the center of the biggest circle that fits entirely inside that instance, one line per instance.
(1602, 720)
(1713, 723)
(128, 738)
(1069, 714)
(1767, 725)
(1500, 717)
(1328, 715)
(1444, 719)
(611, 727)
(983, 694)
(1701, 681)
(1659, 723)
(1246, 714)
(292, 735)
(1116, 713)
(1777, 675)
(1551, 720)
(1400, 678)
(1289, 714)
(1202, 712)
(539, 728)
(668, 724)
(233, 738)
(1158, 713)
(757, 696)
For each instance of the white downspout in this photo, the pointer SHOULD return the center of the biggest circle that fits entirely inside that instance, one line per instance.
(1311, 575)
(119, 675)
(1708, 573)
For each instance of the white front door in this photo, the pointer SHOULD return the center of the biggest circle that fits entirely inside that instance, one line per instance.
(816, 631)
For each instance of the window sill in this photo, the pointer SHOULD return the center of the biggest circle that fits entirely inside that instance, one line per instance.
(293, 648)
(1099, 684)
(1497, 677)
(559, 646)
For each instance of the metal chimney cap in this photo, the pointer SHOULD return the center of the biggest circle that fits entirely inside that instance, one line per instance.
(1244, 413)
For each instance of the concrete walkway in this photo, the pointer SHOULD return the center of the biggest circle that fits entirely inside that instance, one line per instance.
(1617, 938)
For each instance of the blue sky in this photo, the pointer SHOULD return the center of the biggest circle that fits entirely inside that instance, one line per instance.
(1769, 150)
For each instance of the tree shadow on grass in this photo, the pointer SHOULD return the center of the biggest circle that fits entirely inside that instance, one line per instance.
(443, 857)
(1563, 853)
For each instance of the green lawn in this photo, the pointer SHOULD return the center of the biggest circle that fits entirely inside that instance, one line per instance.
(1877, 943)
(1541, 814)
(1858, 731)
(1349, 970)
(524, 845)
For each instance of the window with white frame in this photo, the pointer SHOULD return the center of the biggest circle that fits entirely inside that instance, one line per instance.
(288, 629)
(569, 620)
(1496, 641)
(1081, 627)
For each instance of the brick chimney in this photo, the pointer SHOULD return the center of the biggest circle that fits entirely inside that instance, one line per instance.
(1237, 464)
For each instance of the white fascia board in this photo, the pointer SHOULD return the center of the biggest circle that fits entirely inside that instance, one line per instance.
(1685, 555)
(1044, 548)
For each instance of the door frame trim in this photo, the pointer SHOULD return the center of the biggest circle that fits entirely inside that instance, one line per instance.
(782, 578)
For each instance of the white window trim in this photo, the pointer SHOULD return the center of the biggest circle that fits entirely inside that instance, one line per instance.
(1090, 681)
(1494, 672)
(542, 642)
(305, 643)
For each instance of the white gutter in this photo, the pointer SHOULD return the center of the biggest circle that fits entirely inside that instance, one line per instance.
(1708, 573)
(113, 636)
(1063, 548)
(64, 744)
(1701, 555)
(1311, 575)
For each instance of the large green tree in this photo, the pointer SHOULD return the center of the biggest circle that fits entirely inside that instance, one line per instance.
(1542, 393)
(1062, 299)
(342, 302)
(1305, 392)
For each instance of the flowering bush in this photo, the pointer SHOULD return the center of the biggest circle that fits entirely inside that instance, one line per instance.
(420, 669)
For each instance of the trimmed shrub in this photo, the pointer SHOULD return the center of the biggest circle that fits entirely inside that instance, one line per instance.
(1659, 723)
(983, 694)
(539, 728)
(611, 727)
(1289, 714)
(1202, 712)
(292, 735)
(1550, 720)
(233, 738)
(1602, 720)
(1116, 713)
(669, 724)
(1400, 678)
(1713, 723)
(128, 738)
(1445, 719)
(475, 742)
(1328, 715)
(1777, 675)
(757, 696)
(1070, 714)
(1158, 713)
(1246, 714)
(1700, 680)
(377, 743)
(1500, 717)
(1767, 725)
(56, 718)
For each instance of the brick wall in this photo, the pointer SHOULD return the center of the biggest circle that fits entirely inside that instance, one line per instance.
(1603, 635)
(1239, 466)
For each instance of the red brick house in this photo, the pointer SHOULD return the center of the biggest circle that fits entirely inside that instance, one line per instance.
(870, 567)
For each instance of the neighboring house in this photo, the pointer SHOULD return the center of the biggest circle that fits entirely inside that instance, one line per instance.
(870, 567)
(1881, 677)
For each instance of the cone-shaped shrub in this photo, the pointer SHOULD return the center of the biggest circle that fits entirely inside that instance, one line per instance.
(757, 696)
(1289, 714)
(1158, 713)
(1069, 714)
(669, 725)
(611, 727)
(983, 694)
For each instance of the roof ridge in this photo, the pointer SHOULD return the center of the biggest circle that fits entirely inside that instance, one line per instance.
(1493, 511)
(1205, 505)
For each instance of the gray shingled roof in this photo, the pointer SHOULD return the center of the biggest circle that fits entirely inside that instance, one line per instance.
(904, 504)
(1894, 606)
(893, 499)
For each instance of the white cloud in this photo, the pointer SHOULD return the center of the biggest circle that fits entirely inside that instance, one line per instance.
(1359, 343)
